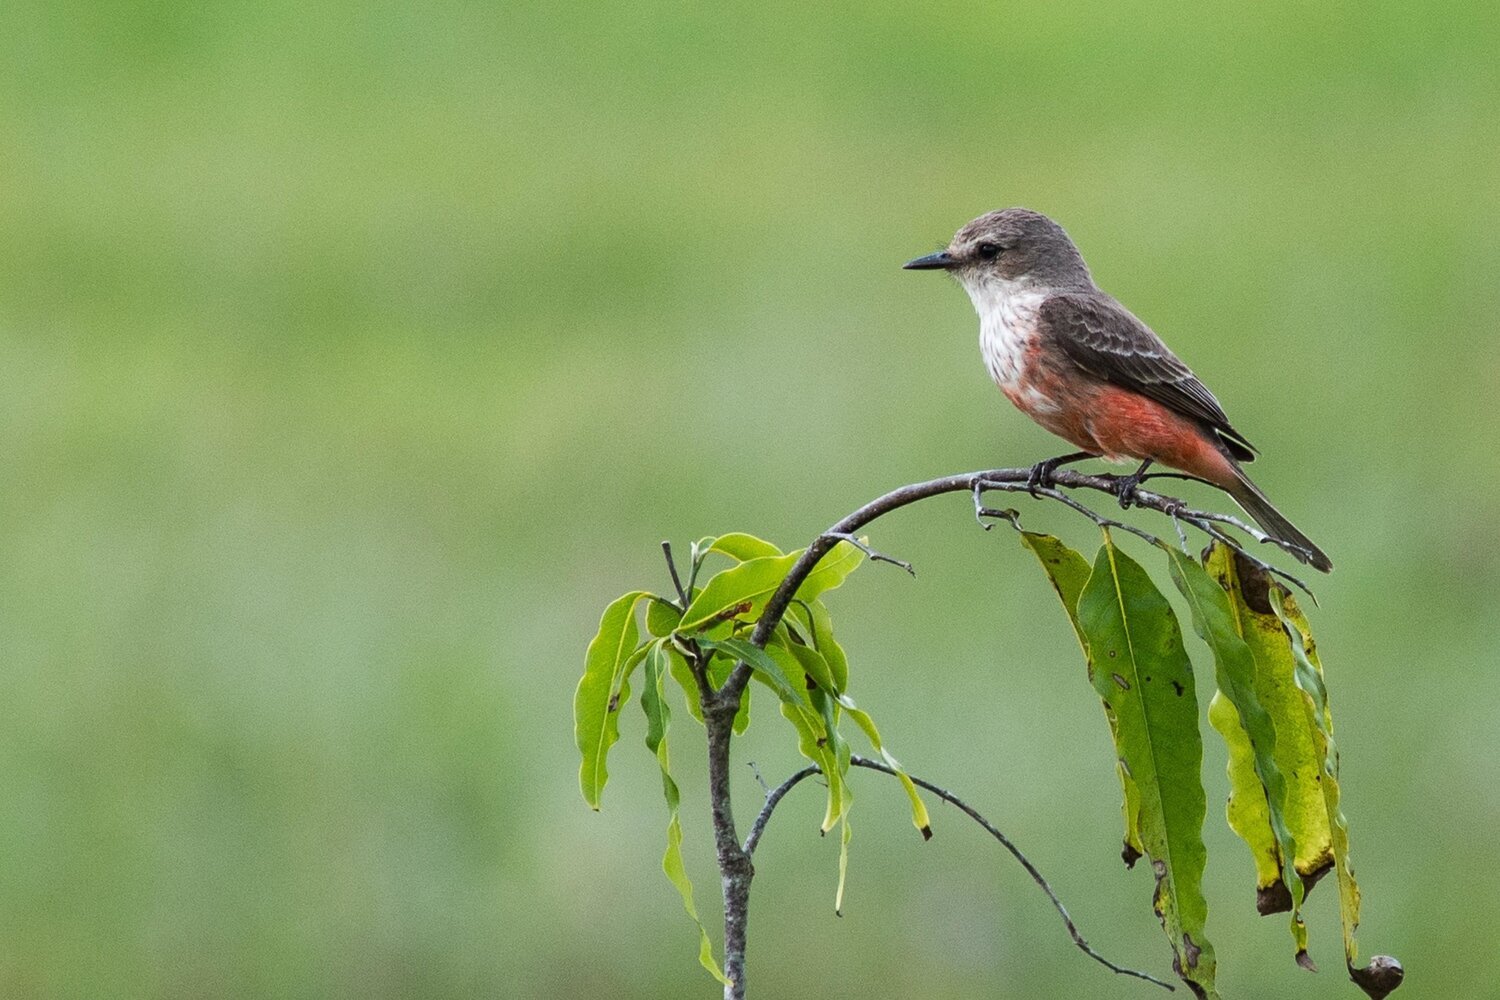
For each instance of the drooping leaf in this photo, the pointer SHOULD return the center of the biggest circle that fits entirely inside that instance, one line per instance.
(658, 720)
(1235, 669)
(1297, 755)
(777, 667)
(743, 590)
(611, 655)
(677, 666)
(811, 660)
(1069, 572)
(1384, 973)
(812, 625)
(1141, 670)
(919, 816)
(1248, 815)
(844, 835)
(815, 717)
(1067, 569)
(762, 663)
(828, 647)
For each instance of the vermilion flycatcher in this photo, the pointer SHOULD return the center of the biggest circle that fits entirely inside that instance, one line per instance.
(1077, 362)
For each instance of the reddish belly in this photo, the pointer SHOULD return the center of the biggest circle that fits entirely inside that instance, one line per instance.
(1117, 423)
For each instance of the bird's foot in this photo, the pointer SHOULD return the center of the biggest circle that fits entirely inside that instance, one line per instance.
(1041, 472)
(1041, 476)
(1126, 486)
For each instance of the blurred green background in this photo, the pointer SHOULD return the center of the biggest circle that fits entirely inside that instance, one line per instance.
(355, 355)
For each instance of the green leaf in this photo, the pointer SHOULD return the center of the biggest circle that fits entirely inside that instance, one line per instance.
(662, 617)
(765, 666)
(1236, 669)
(742, 591)
(831, 571)
(1066, 568)
(743, 547)
(844, 835)
(611, 656)
(811, 660)
(677, 665)
(919, 816)
(1069, 572)
(824, 643)
(1310, 680)
(719, 668)
(1141, 670)
(813, 743)
(776, 667)
(738, 592)
(658, 720)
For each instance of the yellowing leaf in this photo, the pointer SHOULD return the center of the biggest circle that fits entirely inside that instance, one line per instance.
(1235, 669)
(1320, 719)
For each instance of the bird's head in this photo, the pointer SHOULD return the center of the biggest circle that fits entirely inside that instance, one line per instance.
(1013, 249)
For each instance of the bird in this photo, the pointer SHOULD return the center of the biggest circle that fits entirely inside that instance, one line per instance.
(1081, 365)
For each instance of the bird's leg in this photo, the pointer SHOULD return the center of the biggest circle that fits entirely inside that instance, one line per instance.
(1125, 486)
(1041, 472)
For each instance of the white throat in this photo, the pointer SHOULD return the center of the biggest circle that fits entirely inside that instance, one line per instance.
(1007, 324)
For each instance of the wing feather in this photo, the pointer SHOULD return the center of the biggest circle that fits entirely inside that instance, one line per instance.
(1104, 339)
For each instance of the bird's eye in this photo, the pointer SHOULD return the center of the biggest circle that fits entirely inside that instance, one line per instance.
(987, 251)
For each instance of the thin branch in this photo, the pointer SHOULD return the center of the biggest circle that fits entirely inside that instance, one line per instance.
(875, 556)
(1008, 480)
(773, 796)
(666, 549)
(697, 666)
(1015, 852)
(1063, 498)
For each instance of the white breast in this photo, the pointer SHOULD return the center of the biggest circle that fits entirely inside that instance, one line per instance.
(1007, 325)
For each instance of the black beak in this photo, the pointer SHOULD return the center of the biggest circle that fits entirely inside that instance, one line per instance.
(940, 261)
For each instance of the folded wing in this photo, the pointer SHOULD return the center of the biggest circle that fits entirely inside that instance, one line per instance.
(1101, 337)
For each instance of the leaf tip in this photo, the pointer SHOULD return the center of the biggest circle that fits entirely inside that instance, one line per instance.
(1380, 978)
(1273, 898)
(1305, 960)
(926, 832)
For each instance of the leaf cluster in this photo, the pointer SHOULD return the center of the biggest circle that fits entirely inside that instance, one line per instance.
(1271, 708)
(695, 641)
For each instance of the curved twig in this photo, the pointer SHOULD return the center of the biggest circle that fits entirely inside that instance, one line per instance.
(1012, 481)
(775, 795)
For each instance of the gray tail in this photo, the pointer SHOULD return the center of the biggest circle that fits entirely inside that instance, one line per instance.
(1249, 496)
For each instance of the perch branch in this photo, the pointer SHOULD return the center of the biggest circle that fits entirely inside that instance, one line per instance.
(719, 706)
(1004, 480)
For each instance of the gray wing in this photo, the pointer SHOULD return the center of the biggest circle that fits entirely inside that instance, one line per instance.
(1101, 337)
